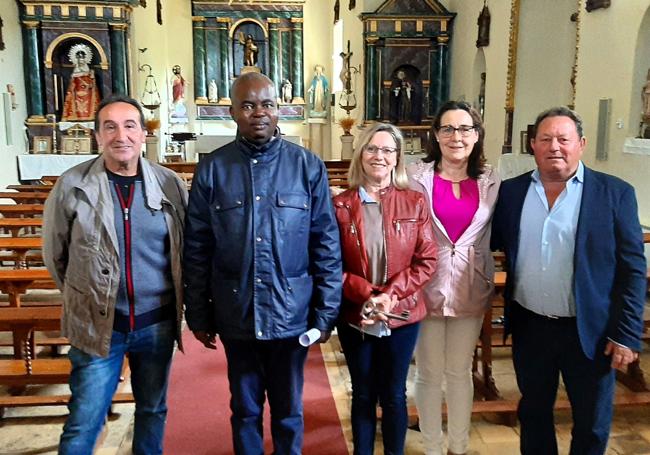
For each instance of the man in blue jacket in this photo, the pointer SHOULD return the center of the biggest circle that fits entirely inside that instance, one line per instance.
(576, 285)
(262, 264)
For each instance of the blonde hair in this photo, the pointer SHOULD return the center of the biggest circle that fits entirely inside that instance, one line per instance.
(356, 174)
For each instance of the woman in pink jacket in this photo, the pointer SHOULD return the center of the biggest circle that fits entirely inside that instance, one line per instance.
(462, 190)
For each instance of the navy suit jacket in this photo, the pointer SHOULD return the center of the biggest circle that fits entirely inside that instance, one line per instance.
(608, 262)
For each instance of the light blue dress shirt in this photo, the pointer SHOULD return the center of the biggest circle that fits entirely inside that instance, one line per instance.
(544, 269)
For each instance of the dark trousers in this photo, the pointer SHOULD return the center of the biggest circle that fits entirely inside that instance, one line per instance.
(378, 369)
(542, 349)
(273, 368)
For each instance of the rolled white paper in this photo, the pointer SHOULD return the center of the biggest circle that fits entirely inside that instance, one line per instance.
(309, 337)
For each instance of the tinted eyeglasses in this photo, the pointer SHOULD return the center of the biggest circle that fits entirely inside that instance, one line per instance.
(374, 150)
(448, 130)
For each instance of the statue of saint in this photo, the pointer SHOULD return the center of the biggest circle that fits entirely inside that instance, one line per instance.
(287, 91)
(645, 96)
(82, 97)
(212, 92)
(250, 49)
(318, 93)
(178, 111)
(400, 92)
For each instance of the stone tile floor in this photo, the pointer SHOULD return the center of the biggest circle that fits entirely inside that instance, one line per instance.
(32, 431)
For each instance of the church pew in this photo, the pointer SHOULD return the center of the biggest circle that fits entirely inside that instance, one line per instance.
(20, 197)
(31, 188)
(15, 225)
(15, 282)
(24, 321)
(21, 210)
(19, 248)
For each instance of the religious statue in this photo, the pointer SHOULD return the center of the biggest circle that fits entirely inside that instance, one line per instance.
(212, 92)
(483, 23)
(405, 99)
(82, 97)
(318, 93)
(178, 110)
(250, 49)
(346, 74)
(287, 90)
(645, 96)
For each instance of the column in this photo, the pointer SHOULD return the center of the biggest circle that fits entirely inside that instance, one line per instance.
(223, 23)
(274, 53)
(439, 88)
(297, 71)
(198, 35)
(33, 70)
(118, 58)
(373, 89)
(212, 52)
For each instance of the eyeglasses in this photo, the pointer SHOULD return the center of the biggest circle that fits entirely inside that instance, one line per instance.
(464, 130)
(374, 150)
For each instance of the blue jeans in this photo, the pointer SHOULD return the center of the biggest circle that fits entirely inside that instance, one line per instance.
(542, 349)
(378, 370)
(277, 368)
(94, 379)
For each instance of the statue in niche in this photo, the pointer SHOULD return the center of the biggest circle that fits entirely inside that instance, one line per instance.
(212, 92)
(318, 93)
(82, 97)
(287, 90)
(178, 110)
(250, 49)
(597, 4)
(405, 99)
(483, 23)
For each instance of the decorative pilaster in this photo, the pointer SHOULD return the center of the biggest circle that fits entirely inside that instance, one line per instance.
(212, 52)
(33, 70)
(439, 89)
(297, 71)
(511, 76)
(373, 89)
(274, 53)
(224, 80)
(118, 58)
(198, 35)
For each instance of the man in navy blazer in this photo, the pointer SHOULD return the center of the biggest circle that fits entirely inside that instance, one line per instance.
(575, 287)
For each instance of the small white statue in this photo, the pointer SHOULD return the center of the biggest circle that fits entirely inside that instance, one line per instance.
(286, 91)
(212, 92)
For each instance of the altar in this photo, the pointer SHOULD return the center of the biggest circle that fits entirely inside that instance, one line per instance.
(34, 167)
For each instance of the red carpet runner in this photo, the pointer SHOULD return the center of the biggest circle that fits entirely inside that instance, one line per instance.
(198, 421)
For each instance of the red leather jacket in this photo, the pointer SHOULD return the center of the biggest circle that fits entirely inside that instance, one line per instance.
(410, 252)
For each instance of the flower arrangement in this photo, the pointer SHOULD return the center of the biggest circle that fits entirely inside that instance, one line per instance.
(346, 123)
(152, 125)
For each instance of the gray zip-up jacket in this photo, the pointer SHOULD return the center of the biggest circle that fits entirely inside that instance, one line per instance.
(80, 247)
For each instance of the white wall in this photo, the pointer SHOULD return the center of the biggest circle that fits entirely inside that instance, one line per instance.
(11, 72)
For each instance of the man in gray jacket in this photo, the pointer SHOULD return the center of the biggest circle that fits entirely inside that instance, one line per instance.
(104, 220)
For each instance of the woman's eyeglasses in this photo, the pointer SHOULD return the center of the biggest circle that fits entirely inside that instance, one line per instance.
(464, 130)
(374, 150)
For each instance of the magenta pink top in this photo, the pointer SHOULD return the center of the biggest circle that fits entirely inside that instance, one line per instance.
(454, 214)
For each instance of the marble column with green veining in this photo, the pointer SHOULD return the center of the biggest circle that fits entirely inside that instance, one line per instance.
(118, 59)
(439, 87)
(33, 70)
(212, 49)
(224, 73)
(372, 83)
(274, 53)
(297, 71)
(285, 73)
(198, 33)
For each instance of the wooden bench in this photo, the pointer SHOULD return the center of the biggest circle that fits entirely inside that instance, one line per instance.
(337, 173)
(24, 372)
(24, 197)
(24, 321)
(21, 210)
(31, 188)
(20, 246)
(15, 282)
(15, 225)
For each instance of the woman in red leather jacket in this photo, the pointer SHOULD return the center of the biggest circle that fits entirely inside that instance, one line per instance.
(388, 254)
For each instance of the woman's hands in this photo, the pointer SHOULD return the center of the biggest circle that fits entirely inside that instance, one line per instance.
(375, 307)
